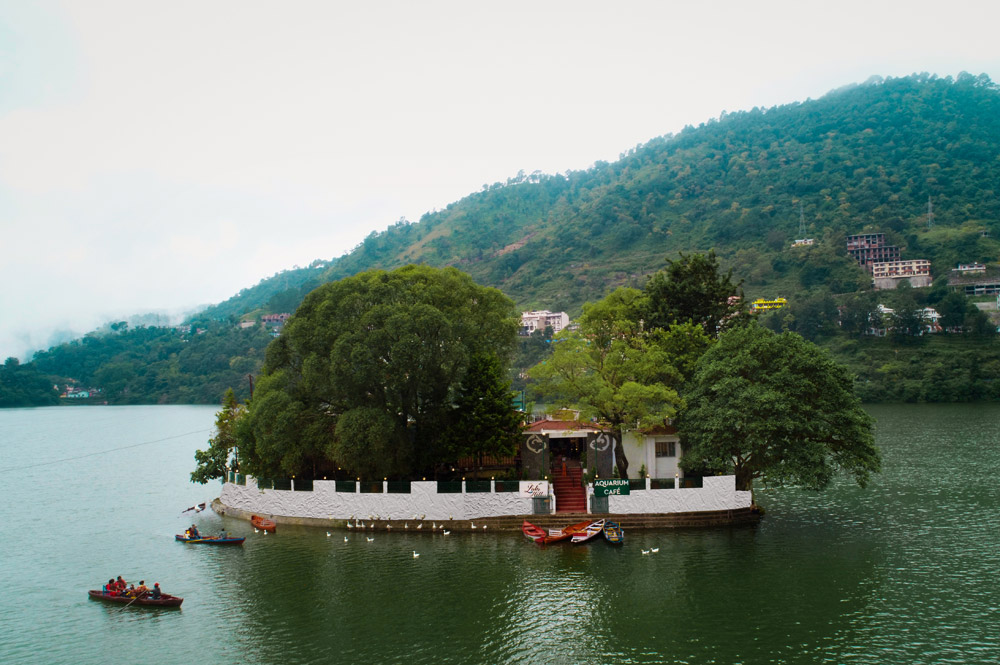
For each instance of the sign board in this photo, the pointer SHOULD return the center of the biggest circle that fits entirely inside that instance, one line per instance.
(533, 488)
(608, 486)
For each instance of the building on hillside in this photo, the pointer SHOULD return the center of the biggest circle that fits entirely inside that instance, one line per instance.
(762, 303)
(274, 320)
(541, 319)
(888, 274)
(803, 242)
(970, 268)
(869, 248)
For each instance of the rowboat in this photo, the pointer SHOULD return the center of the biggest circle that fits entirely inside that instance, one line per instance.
(209, 541)
(613, 533)
(263, 524)
(590, 531)
(532, 532)
(555, 535)
(164, 600)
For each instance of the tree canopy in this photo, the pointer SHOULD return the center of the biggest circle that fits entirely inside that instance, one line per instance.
(776, 407)
(692, 290)
(612, 369)
(214, 461)
(369, 370)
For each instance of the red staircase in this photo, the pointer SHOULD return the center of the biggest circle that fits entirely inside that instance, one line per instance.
(571, 497)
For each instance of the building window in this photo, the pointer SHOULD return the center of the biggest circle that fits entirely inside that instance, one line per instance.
(666, 449)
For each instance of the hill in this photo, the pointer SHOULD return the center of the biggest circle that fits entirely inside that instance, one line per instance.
(863, 158)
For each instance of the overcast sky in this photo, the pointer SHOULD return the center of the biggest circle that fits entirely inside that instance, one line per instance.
(164, 155)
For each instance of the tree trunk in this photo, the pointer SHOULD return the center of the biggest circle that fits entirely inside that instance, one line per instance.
(620, 460)
(744, 478)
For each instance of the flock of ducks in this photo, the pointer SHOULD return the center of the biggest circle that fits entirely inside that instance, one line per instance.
(372, 519)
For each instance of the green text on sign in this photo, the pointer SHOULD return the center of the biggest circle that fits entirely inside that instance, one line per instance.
(608, 486)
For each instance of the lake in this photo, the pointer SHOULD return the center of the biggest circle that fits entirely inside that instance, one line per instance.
(902, 572)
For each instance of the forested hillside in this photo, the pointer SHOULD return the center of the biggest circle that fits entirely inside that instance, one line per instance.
(866, 157)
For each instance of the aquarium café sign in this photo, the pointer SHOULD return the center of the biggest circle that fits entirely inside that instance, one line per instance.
(609, 486)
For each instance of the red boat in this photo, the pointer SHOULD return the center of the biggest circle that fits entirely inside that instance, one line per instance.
(532, 532)
(555, 535)
(147, 601)
(263, 524)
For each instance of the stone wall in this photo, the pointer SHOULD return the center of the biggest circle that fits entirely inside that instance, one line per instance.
(324, 502)
(717, 493)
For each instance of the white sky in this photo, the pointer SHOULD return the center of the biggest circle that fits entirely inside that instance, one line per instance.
(163, 155)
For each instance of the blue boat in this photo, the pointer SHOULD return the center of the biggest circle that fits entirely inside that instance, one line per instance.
(209, 541)
(613, 533)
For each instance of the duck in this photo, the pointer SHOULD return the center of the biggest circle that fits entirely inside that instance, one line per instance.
(406, 525)
(345, 539)
(644, 551)
(328, 534)
(655, 550)
(473, 525)
(420, 526)
(349, 525)
(370, 539)
(256, 530)
(447, 533)
(415, 555)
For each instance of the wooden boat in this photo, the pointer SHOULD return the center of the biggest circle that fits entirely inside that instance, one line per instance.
(591, 531)
(209, 541)
(613, 533)
(263, 524)
(555, 535)
(164, 600)
(532, 532)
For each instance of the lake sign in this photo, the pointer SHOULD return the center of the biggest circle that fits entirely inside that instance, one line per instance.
(609, 486)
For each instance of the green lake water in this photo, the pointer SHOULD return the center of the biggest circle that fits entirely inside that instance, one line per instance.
(902, 572)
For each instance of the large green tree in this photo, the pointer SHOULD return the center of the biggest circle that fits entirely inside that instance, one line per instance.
(366, 373)
(692, 289)
(614, 370)
(775, 407)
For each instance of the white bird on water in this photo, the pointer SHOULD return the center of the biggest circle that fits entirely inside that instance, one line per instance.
(420, 526)
(655, 550)
(370, 539)
(349, 525)
(447, 533)
(265, 533)
(473, 525)
(415, 555)
(406, 525)
(255, 530)
(345, 539)
(328, 534)
(644, 551)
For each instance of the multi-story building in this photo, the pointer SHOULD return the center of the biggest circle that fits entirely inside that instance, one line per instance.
(888, 274)
(539, 320)
(869, 248)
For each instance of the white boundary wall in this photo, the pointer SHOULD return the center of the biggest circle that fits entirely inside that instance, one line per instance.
(716, 493)
(324, 502)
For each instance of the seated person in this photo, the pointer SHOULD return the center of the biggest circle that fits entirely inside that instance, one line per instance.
(109, 588)
(193, 531)
(141, 590)
(156, 591)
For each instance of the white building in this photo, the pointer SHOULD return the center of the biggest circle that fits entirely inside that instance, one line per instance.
(539, 320)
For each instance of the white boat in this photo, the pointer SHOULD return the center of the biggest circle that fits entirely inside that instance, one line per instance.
(592, 530)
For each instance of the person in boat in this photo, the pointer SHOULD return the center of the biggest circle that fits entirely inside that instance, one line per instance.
(156, 593)
(141, 591)
(193, 532)
(131, 591)
(110, 589)
(120, 584)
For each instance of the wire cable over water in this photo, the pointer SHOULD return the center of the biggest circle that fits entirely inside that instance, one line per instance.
(102, 452)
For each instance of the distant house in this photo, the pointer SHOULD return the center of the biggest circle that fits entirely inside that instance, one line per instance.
(969, 268)
(541, 319)
(274, 320)
(247, 324)
(763, 303)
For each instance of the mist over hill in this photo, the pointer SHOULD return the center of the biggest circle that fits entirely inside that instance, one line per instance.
(865, 157)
